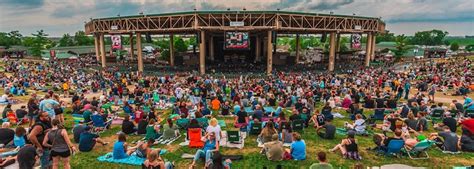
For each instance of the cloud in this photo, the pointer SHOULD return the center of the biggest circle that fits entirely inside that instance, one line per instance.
(28, 4)
(62, 15)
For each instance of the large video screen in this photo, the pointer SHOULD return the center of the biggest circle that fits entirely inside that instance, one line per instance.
(237, 40)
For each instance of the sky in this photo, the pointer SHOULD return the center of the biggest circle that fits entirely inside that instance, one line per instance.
(57, 17)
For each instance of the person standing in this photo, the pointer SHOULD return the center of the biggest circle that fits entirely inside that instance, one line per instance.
(48, 106)
(61, 146)
(37, 135)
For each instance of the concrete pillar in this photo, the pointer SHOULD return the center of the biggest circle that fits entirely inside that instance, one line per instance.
(171, 49)
(202, 53)
(372, 54)
(297, 48)
(132, 48)
(139, 52)
(257, 48)
(332, 50)
(211, 48)
(102, 49)
(269, 53)
(368, 50)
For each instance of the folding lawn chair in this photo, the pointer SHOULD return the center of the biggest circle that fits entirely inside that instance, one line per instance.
(195, 135)
(255, 128)
(298, 125)
(234, 137)
(394, 147)
(378, 114)
(437, 114)
(469, 113)
(99, 124)
(418, 149)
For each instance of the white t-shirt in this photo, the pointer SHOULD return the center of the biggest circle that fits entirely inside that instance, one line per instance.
(4, 98)
(216, 130)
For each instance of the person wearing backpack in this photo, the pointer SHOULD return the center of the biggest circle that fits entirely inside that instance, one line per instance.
(61, 147)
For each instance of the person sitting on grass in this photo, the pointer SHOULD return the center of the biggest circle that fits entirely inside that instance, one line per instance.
(330, 130)
(128, 127)
(348, 147)
(358, 126)
(142, 149)
(297, 148)
(154, 161)
(19, 140)
(286, 133)
(215, 128)
(317, 119)
(170, 130)
(323, 162)
(274, 149)
(152, 130)
(210, 145)
(120, 147)
(218, 162)
(267, 133)
(241, 119)
(447, 121)
(87, 140)
(467, 140)
(382, 141)
(422, 124)
(446, 140)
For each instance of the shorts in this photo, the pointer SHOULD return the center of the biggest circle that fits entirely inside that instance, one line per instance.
(64, 154)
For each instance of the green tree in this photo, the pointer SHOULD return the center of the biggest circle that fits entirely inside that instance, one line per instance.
(82, 39)
(66, 40)
(386, 37)
(10, 39)
(454, 46)
(430, 38)
(342, 44)
(179, 44)
(28, 41)
(401, 46)
(39, 43)
(470, 48)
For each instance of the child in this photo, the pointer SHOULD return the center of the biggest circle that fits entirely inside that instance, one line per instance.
(19, 138)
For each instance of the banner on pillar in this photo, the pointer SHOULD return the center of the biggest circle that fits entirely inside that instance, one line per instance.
(356, 41)
(116, 42)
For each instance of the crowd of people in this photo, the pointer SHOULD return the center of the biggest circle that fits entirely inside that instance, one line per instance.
(276, 108)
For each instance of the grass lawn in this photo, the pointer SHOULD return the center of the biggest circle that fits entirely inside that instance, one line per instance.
(252, 158)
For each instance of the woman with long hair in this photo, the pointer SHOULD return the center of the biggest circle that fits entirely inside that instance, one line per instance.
(61, 146)
(33, 110)
(267, 132)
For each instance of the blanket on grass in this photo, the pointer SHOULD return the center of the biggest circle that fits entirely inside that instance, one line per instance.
(130, 160)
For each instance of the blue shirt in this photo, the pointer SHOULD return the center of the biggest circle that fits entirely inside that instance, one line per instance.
(119, 151)
(468, 101)
(298, 150)
(19, 141)
(86, 142)
(210, 145)
(48, 106)
(236, 109)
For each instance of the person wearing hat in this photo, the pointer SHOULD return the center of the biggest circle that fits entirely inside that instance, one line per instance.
(88, 140)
